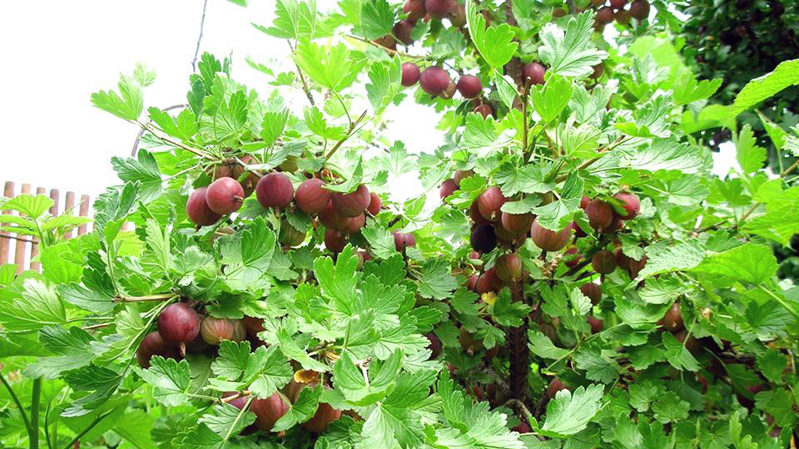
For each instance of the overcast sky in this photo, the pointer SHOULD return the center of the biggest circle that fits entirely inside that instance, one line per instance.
(56, 53)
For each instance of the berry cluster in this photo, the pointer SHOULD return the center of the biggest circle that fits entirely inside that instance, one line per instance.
(182, 330)
(639, 10)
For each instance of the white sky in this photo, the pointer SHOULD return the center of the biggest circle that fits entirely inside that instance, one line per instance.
(56, 53)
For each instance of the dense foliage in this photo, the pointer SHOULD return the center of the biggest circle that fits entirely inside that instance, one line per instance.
(570, 273)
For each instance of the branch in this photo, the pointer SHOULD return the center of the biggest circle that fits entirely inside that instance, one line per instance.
(199, 38)
(149, 127)
(572, 6)
(350, 131)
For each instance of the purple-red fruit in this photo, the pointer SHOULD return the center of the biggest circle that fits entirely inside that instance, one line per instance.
(592, 291)
(274, 190)
(603, 262)
(485, 110)
(533, 73)
(268, 411)
(324, 415)
(483, 238)
(509, 267)
(605, 15)
(474, 214)
(447, 188)
(571, 257)
(596, 324)
(635, 266)
(331, 218)
(471, 283)
(522, 427)
(335, 241)
(224, 196)
(151, 345)
(488, 282)
(253, 325)
(439, 8)
(618, 4)
(517, 224)
(311, 196)
(354, 224)
(623, 17)
(470, 86)
(600, 215)
(354, 203)
(434, 80)
(672, 320)
(460, 175)
(578, 231)
(639, 9)
(198, 211)
(434, 346)
(490, 202)
(630, 203)
(414, 9)
(214, 330)
(554, 386)
(178, 323)
(549, 240)
(374, 204)
(403, 240)
(410, 74)
(402, 31)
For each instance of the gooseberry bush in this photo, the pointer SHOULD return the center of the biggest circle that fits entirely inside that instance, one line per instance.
(566, 271)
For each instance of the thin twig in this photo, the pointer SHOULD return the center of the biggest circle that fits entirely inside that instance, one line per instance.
(87, 429)
(149, 127)
(16, 401)
(344, 139)
(161, 297)
(305, 87)
(199, 38)
(140, 134)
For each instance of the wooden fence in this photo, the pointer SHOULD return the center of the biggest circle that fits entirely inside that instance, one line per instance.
(23, 249)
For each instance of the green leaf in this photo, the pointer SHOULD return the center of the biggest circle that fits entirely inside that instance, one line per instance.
(328, 66)
(786, 74)
(750, 262)
(293, 20)
(301, 410)
(750, 156)
(435, 280)
(127, 104)
(667, 258)
(677, 355)
(494, 43)
(352, 380)
(170, 380)
(35, 307)
(71, 349)
(687, 90)
(665, 154)
(226, 420)
(550, 99)
(381, 242)
(377, 18)
(569, 413)
(542, 346)
(273, 125)
(32, 206)
(338, 281)
(570, 52)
